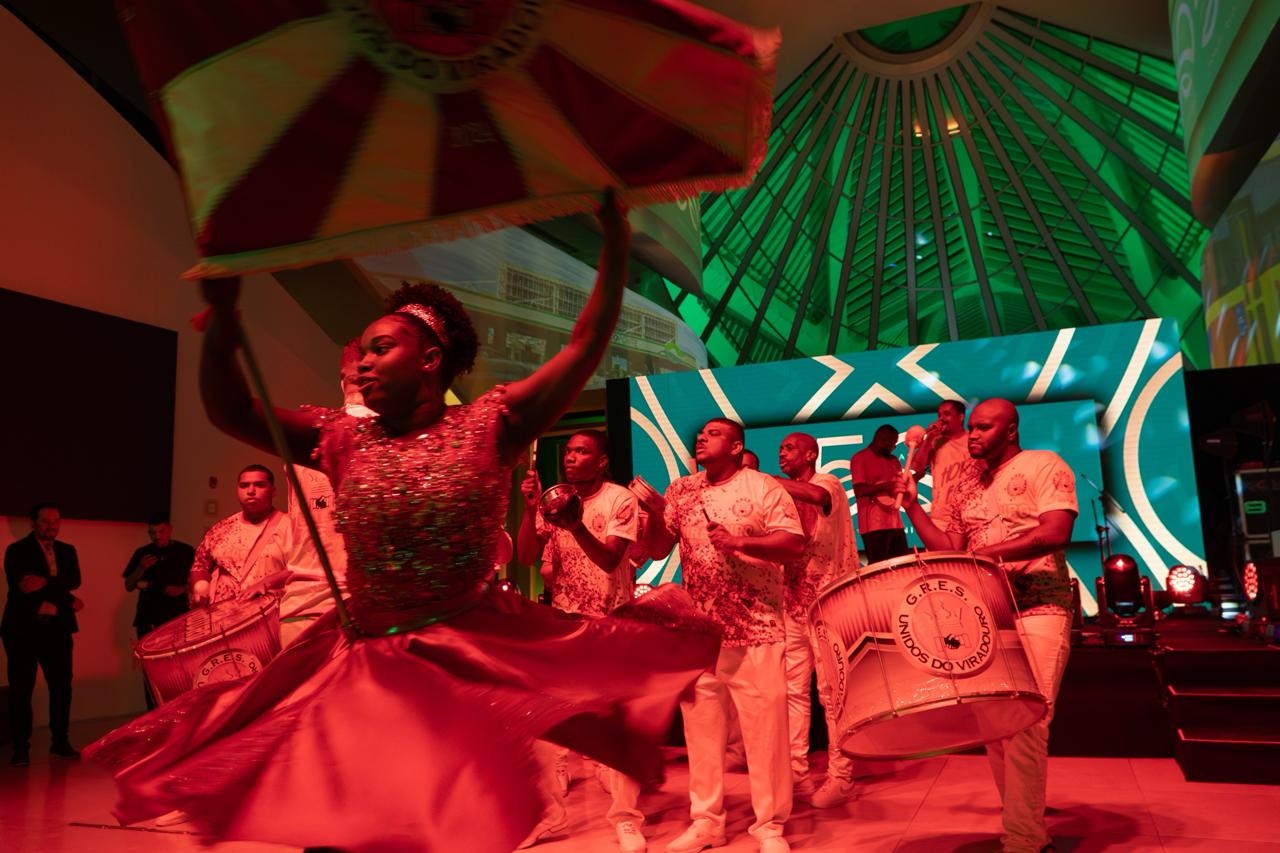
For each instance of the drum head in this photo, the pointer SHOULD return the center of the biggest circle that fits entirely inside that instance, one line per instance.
(203, 625)
(952, 726)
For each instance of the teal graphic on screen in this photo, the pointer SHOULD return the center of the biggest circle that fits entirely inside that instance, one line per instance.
(1134, 444)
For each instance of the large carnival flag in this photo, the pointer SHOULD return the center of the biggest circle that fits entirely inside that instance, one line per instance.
(306, 130)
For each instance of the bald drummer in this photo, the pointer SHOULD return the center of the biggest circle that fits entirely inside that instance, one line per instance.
(1016, 506)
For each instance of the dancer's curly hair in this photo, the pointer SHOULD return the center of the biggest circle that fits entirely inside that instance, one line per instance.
(462, 344)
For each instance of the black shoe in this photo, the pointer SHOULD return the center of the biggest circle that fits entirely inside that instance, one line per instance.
(21, 757)
(64, 750)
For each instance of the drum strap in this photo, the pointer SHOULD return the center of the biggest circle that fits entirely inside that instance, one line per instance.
(263, 539)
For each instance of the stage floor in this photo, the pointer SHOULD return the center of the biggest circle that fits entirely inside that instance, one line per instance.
(939, 804)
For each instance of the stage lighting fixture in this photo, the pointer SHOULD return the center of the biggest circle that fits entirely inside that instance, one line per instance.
(642, 589)
(1126, 612)
(508, 585)
(1124, 589)
(1251, 580)
(1185, 585)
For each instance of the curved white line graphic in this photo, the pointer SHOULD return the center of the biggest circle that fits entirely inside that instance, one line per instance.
(668, 458)
(1149, 555)
(651, 571)
(1051, 365)
(1132, 374)
(1133, 472)
(685, 457)
(717, 394)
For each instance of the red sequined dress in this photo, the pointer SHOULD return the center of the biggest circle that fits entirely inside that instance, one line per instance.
(416, 736)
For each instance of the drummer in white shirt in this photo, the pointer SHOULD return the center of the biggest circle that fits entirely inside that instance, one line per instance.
(587, 565)
(943, 455)
(830, 552)
(249, 550)
(1017, 506)
(735, 528)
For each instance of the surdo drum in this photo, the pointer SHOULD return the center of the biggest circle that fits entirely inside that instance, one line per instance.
(922, 655)
(222, 642)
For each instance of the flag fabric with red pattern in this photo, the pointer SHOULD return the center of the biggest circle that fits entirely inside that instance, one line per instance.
(307, 130)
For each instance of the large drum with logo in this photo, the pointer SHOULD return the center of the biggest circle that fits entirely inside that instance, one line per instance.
(221, 642)
(922, 656)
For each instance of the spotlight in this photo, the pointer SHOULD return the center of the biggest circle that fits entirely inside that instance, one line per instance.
(508, 585)
(1251, 580)
(1126, 611)
(642, 589)
(1124, 588)
(1185, 585)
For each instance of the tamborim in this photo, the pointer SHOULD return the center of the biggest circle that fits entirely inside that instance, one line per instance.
(921, 655)
(221, 642)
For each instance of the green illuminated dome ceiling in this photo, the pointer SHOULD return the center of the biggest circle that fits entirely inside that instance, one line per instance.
(966, 173)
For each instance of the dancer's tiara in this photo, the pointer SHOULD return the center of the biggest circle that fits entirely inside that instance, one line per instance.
(428, 316)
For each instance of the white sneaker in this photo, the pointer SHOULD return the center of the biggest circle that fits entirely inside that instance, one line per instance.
(834, 791)
(774, 844)
(176, 817)
(700, 835)
(630, 838)
(546, 829)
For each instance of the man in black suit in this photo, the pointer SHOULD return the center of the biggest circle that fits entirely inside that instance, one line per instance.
(39, 619)
(159, 572)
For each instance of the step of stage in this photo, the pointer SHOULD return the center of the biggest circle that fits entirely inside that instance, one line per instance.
(1253, 666)
(1251, 707)
(1222, 695)
(1228, 754)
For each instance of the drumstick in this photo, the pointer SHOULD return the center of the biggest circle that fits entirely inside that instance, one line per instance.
(915, 435)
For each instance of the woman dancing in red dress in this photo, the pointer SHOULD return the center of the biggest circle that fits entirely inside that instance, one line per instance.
(416, 734)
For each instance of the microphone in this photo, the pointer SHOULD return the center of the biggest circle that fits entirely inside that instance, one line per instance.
(915, 435)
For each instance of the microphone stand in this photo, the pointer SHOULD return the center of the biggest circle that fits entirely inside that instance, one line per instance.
(1100, 527)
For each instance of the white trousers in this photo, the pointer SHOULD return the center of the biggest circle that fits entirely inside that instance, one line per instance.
(753, 679)
(624, 792)
(1020, 763)
(798, 657)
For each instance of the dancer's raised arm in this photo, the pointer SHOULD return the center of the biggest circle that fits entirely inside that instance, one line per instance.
(227, 400)
(537, 402)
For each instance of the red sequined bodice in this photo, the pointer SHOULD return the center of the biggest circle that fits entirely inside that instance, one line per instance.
(420, 513)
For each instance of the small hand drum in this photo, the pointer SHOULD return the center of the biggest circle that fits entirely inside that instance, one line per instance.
(561, 505)
(648, 496)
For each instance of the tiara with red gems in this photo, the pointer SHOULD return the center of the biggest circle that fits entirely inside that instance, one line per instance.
(428, 316)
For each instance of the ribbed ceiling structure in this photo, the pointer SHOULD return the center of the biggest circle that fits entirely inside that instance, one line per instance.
(962, 174)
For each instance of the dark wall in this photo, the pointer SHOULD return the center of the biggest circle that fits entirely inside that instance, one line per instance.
(1216, 400)
(88, 420)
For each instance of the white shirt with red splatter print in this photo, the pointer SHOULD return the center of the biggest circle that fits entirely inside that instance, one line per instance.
(743, 594)
(579, 585)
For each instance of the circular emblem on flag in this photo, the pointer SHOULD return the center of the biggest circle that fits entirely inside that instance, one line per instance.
(945, 628)
(446, 45)
(226, 665)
